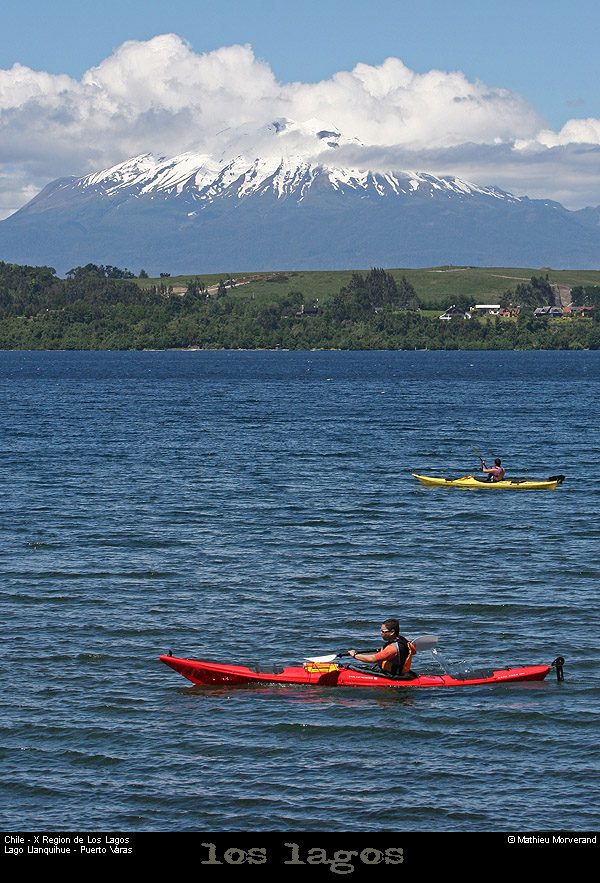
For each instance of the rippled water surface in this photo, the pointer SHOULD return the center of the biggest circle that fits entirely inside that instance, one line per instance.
(260, 506)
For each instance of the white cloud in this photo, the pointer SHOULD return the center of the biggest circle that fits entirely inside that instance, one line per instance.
(389, 104)
(160, 96)
(573, 132)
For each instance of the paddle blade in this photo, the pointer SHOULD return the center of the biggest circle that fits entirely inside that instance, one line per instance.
(330, 658)
(425, 642)
(477, 452)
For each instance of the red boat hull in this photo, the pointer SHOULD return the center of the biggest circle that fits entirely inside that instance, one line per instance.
(215, 674)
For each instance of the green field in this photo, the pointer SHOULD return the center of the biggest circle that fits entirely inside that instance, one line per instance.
(481, 284)
(372, 309)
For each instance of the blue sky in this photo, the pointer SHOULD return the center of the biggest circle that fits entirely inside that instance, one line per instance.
(542, 56)
(546, 51)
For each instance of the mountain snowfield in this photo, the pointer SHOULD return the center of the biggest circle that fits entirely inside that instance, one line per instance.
(287, 196)
(292, 157)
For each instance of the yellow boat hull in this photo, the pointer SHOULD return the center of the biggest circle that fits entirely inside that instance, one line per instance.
(468, 481)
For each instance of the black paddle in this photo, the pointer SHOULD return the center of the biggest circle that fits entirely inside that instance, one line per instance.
(479, 455)
(425, 642)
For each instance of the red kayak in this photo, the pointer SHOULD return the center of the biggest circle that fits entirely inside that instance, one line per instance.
(332, 675)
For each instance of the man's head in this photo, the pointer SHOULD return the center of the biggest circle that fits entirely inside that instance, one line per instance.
(390, 629)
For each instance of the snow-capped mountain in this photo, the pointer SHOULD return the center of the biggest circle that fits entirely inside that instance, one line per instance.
(292, 158)
(287, 196)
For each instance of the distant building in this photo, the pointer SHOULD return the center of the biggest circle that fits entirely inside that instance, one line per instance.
(303, 311)
(309, 311)
(453, 312)
(491, 309)
(548, 312)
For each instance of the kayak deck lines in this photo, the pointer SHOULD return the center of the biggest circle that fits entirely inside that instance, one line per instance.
(474, 483)
(332, 675)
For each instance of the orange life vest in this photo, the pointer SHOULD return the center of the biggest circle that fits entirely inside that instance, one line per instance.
(401, 664)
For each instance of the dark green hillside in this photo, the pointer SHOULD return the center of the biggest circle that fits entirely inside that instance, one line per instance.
(97, 307)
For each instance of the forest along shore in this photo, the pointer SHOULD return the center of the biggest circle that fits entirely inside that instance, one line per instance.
(104, 308)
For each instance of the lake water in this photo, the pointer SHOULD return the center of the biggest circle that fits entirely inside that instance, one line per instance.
(260, 506)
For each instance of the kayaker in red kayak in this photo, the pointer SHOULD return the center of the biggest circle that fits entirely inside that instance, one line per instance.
(396, 654)
(496, 473)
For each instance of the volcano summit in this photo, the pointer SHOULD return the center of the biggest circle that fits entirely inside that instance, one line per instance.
(288, 196)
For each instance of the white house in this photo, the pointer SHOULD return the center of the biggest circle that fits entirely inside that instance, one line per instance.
(491, 309)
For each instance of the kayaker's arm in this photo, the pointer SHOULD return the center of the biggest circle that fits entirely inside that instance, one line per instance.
(388, 652)
(362, 657)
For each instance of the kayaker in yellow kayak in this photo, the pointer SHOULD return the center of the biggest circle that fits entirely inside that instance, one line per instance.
(496, 472)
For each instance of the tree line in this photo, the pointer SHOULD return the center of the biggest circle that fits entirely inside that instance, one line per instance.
(98, 307)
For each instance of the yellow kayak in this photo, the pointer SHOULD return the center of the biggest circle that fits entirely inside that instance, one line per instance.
(473, 483)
